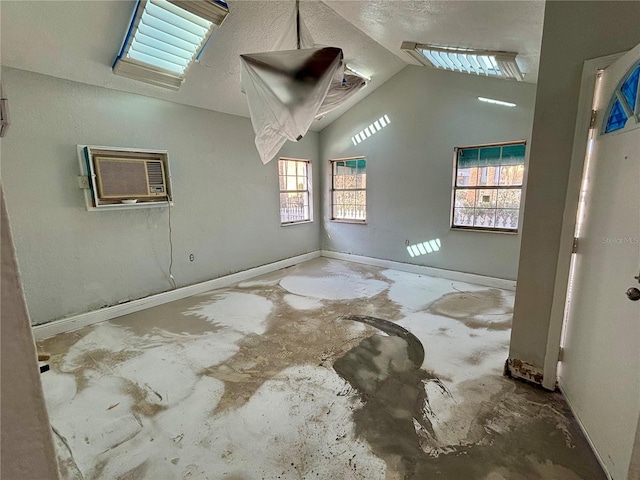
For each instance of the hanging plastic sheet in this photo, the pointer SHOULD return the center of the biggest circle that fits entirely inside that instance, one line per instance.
(344, 84)
(285, 91)
(340, 91)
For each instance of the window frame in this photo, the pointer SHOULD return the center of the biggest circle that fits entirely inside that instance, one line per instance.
(630, 113)
(455, 187)
(308, 191)
(333, 189)
(203, 17)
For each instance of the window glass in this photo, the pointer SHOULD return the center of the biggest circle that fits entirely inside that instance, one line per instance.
(624, 101)
(487, 187)
(295, 195)
(349, 195)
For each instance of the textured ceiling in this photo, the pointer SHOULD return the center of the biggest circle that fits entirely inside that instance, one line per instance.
(513, 26)
(78, 40)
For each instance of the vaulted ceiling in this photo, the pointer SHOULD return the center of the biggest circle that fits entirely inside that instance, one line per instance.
(79, 40)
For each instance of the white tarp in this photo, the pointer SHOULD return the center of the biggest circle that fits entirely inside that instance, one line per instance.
(287, 89)
(340, 91)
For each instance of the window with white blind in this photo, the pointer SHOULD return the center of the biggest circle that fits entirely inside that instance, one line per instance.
(294, 178)
(487, 187)
(165, 38)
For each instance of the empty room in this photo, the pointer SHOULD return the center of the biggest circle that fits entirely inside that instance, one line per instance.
(312, 239)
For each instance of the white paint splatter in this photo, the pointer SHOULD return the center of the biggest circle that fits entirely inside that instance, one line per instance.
(333, 287)
(104, 337)
(243, 312)
(304, 430)
(303, 303)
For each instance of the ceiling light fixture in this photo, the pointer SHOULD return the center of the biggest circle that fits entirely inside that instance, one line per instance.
(466, 60)
(165, 37)
(496, 102)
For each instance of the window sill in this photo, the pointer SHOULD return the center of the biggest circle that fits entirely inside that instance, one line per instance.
(289, 224)
(483, 230)
(355, 222)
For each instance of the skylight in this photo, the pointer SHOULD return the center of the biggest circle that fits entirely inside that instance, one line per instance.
(165, 37)
(466, 60)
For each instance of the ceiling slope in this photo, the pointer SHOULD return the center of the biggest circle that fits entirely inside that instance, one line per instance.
(79, 40)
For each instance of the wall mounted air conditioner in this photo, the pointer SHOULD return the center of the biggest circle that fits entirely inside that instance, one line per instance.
(124, 178)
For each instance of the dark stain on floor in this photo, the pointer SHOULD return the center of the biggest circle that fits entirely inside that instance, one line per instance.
(517, 421)
(292, 336)
(518, 433)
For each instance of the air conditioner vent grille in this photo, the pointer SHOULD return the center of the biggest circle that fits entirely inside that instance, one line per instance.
(154, 171)
(120, 177)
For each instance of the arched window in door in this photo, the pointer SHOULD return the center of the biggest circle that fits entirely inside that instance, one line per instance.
(625, 102)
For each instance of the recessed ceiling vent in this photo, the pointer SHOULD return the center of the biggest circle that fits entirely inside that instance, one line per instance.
(466, 60)
(165, 37)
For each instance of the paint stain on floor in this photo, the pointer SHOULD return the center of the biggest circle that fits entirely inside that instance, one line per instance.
(487, 309)
(366, 374)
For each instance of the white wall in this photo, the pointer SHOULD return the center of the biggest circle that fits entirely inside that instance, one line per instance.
(27, 444)
(410, 166)
(573, 32)
(226, 202)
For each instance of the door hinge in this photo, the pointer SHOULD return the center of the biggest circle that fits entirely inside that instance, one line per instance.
(574, 249)
(561, 354)
(592, 122)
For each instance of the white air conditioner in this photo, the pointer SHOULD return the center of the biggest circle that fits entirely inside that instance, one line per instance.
(124, 178)
(134, 178)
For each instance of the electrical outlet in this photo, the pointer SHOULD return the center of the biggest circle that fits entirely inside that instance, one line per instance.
(192, 257)
(83, 181)
(407, 243)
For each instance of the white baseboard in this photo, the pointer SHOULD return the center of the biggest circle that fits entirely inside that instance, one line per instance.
(68, 324)
(421, 269)
(585, 433)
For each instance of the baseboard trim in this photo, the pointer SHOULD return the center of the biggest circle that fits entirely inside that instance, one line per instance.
(74, 322)
(584, 432)
(421, 269)
(68, 324)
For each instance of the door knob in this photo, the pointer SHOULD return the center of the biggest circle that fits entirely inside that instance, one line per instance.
(633, 294)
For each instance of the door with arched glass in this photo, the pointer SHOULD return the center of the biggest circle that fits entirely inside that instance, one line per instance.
(600, 369)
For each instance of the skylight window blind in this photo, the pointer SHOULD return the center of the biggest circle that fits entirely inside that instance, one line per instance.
(466, 60)
(164, 39)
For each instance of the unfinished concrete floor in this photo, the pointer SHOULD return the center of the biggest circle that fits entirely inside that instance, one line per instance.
(269, 380)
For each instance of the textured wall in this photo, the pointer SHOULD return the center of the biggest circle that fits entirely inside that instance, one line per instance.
(226, 202)
(410, 165)
(573, 32)
(27, 446)
(613, 28)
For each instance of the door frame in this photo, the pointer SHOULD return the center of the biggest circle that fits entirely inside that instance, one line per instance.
(579, 157)
(572, 199)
